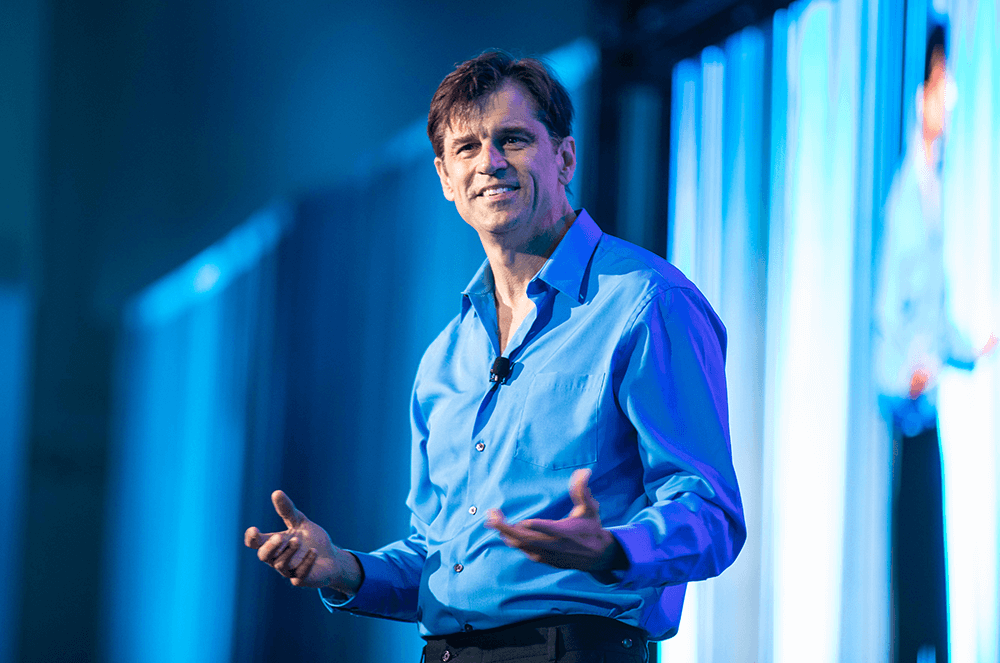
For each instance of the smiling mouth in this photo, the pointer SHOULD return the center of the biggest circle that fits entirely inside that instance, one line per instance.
(495, 191)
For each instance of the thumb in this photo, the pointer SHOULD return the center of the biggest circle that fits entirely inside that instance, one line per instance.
(584, 504)
(286, 509)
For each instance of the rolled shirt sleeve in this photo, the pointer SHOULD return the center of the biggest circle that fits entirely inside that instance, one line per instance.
(673, 391)
(392, 581)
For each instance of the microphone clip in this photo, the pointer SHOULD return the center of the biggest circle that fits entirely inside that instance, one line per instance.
(500, 371)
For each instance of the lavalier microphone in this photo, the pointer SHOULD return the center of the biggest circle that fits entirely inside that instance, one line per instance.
(500, 370)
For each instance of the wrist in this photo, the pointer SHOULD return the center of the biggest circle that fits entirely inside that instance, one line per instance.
(352, 575)
(613, 558)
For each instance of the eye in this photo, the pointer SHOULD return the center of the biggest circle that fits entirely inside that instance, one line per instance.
(515, 141)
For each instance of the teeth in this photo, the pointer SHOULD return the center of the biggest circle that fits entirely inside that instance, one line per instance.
(498, 190)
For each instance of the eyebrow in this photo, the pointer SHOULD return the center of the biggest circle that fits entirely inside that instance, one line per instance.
(501, 132)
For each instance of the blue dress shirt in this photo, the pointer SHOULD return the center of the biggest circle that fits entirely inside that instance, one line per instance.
(619, 369)
(913, 327)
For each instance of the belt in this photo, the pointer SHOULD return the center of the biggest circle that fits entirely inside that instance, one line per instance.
(548, 637)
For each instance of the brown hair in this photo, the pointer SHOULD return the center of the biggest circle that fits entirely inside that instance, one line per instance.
(461, 92)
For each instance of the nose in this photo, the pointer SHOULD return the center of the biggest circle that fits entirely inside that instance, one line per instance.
(491, 160)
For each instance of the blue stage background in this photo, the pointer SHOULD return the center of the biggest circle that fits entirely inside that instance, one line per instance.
(224, 250)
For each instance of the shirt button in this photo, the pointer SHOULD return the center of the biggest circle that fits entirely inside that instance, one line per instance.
(480, 446)
(458, 568)
(472, 510)
(446, 656)
(627, 643)
(468, 627)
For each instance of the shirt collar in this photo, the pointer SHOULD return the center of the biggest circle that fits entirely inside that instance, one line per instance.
(564, 270)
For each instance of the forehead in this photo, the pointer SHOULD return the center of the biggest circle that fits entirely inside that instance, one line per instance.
(509, 106)
(938, 60)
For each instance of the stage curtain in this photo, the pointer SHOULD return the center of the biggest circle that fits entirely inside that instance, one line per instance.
(15, 350)
(778, 167)
(969, 401)
(194, 363)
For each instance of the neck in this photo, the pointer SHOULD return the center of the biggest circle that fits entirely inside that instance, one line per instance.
(929, 138)
(515, 263)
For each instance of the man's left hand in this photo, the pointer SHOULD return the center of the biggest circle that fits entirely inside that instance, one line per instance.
(575, 542)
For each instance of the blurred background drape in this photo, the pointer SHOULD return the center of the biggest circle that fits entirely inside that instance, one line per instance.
(15, 339)
(969, 402)
(810, 113)
(768, 201)
(198, 377)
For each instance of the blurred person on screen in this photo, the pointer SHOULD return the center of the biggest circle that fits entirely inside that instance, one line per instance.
(915, 339)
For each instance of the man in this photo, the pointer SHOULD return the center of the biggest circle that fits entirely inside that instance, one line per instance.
(581, 371)
(915, 339)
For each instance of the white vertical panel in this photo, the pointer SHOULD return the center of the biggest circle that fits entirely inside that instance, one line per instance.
(716, 239)
(707, 273)
(813, 354)
(776, 257)
(969, 401)
(685, 117)
(742, 307)
(682, 240)
(867, 604)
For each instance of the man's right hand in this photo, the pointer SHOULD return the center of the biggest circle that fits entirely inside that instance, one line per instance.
(991, 344)
(918, 382)
(304, 553)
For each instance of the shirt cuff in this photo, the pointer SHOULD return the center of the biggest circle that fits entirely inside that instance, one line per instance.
(642, 556)
(378, 595)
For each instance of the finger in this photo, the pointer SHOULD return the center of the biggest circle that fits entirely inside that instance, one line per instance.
(584, 503)
(542, 530)
(524, 535)
(495, 520)
(254, 538)
(274, 546)
(286, 509)
(296, 560)
(537, 555)
(282, 562)
(519, 544)
(303, 569)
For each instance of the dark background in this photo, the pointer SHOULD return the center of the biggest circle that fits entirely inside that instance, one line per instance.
(136, 134)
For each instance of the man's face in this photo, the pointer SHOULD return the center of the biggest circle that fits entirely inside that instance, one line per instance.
(501, 169)
(934, 97)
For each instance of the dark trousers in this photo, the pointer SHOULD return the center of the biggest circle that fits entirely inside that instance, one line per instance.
(560, 639)
(918, 562)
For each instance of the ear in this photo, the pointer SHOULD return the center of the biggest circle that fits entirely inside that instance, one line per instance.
(449, 192)
(566, 157)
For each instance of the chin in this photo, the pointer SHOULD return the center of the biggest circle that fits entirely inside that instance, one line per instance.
(499, 220)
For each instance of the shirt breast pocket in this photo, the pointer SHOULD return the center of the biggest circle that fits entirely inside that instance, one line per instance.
(559, 425)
